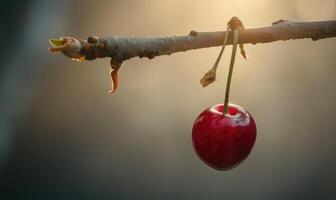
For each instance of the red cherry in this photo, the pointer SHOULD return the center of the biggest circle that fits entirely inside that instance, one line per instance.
(224, 141)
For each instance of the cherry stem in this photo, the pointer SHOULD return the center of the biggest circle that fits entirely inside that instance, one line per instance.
(222, 50)
(228, 83)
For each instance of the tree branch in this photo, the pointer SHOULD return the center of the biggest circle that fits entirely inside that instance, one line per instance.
(123, 48)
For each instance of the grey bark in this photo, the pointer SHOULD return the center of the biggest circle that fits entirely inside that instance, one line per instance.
(123, 48)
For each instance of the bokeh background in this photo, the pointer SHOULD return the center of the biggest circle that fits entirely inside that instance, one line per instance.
(63, 137)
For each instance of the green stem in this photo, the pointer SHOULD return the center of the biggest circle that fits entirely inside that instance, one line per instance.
(214, 68)
(228, 83)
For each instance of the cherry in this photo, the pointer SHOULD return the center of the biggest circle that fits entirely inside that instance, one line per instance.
(224, 134)
(223, 141)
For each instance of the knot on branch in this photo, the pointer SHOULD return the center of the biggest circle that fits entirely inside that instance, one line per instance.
(193, 33)
(235, 23)
(93, 48)
(149, 53)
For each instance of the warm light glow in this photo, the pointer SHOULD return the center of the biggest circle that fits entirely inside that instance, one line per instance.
(316, 10)
(251, 3)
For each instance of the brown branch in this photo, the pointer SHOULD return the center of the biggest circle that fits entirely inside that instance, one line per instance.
(123, 48)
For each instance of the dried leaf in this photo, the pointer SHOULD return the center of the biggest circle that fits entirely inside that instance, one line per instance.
(208, 78)
(114, 80)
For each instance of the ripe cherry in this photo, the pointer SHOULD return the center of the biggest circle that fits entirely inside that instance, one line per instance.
(223, 141)
(223, 135)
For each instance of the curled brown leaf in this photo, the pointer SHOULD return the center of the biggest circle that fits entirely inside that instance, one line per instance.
(114, 80)
(208, 78)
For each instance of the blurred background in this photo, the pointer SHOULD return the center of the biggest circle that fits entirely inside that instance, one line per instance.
(62, 136)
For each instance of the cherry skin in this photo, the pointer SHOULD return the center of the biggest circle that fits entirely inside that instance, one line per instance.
(224, 141)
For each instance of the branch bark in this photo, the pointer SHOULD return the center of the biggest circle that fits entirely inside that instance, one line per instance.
(123, 48)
